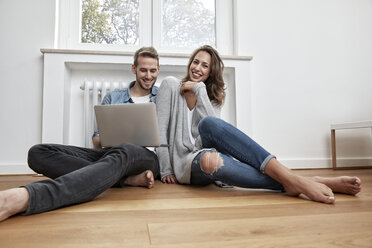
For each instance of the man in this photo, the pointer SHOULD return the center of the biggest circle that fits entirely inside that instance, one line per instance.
(80, 174)
(139, 91)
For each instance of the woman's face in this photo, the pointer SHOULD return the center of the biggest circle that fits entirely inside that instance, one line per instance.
(200, 67)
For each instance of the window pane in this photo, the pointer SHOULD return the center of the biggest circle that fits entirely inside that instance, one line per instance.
(110, 22)
(188, 23)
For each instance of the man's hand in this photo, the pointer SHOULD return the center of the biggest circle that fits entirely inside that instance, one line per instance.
(97, 142)
(170, 179)
(187, 86)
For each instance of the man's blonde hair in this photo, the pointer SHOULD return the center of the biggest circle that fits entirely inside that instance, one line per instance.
(146, 52)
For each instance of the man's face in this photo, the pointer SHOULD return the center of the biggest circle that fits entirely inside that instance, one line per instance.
(146, 71)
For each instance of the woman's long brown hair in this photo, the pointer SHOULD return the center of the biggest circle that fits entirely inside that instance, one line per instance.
(214, 83)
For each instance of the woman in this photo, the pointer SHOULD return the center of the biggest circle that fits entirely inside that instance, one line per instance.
(203, 149)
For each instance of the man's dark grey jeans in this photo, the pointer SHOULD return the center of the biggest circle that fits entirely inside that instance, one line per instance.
(81, 174)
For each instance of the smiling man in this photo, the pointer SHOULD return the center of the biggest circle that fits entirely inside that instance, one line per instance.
(146, 68)
(79, 174)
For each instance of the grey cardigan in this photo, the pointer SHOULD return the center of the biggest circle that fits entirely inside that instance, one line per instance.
(173, 126)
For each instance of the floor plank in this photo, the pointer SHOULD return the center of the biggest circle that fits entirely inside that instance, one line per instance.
(268, 227)
(188, 216)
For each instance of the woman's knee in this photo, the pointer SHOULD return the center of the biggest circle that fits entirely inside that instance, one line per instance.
(206, 123)
(211, 162)
(211, 124)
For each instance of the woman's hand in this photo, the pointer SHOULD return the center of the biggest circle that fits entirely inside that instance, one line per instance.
(187, 86)
(170, 179)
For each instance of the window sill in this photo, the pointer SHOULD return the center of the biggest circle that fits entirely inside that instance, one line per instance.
(120, 53)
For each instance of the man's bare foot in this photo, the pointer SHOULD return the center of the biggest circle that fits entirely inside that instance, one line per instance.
(343, 184)
(13, 201)
(313, 190)
(144, 179)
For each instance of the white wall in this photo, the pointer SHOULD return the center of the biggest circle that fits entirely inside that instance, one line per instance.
(25, 27)
(311, 67)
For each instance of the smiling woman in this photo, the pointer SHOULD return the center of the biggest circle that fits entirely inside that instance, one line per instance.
(200, 67)
(203, 149)
(205, 65)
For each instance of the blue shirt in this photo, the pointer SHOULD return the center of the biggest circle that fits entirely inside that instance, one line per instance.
(122, 96)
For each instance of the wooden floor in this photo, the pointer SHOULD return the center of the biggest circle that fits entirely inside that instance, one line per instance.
(187, 216)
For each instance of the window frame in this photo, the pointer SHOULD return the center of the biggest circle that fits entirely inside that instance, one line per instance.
(68, 28)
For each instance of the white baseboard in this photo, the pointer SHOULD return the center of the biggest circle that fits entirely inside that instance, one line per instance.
(320, 163)
(14, 169)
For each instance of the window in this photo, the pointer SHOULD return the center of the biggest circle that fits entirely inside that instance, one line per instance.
(125, 25)
(188, 23)
(110, 22)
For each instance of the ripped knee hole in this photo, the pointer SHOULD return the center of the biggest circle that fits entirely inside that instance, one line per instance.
(211, 162)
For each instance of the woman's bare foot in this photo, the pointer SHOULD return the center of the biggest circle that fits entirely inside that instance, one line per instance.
(313, 190)
(295, 185)
(144, 179)
(13, 201)
(343, 184)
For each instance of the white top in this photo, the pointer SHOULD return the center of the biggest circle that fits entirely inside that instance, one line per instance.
(189, 123)
(141, 99)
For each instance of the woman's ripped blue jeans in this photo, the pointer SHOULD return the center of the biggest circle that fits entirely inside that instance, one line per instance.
(230, 156)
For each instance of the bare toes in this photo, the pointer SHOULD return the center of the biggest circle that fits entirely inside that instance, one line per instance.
(149, 178)
(357, 181)
(326, 195)
(330, 200)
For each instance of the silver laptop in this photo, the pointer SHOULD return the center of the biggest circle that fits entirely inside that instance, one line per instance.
(131, 123)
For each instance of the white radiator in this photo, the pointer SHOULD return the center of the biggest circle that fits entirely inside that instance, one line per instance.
(94, 91)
